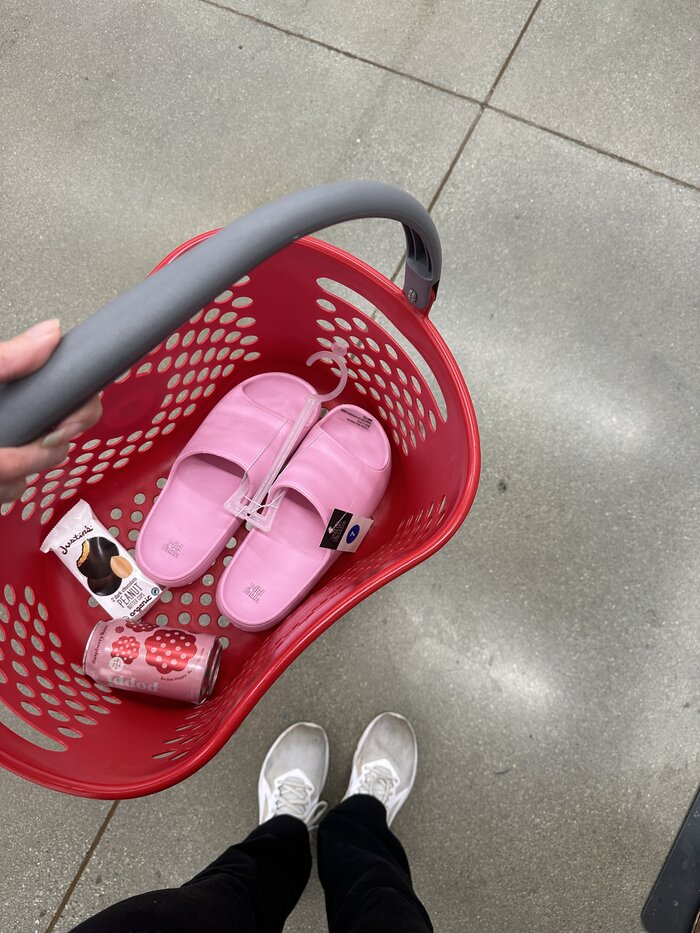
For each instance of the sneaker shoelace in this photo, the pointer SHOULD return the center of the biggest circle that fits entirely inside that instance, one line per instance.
(379, 781)
(293, 796)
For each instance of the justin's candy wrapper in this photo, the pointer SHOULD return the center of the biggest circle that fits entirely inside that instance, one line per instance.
(101, 564)
(165, 662)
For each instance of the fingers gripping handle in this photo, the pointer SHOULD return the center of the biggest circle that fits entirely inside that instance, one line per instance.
(93, 354)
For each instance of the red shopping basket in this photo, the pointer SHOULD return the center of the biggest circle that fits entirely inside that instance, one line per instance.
(265, 299)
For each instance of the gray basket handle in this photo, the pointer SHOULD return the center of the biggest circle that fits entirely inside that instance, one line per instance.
(97, 351)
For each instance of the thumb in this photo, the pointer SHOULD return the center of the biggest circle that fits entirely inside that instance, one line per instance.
(27, 352)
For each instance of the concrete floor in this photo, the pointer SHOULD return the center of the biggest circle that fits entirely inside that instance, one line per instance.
(548, 655)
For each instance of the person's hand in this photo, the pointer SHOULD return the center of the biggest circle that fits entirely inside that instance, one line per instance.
(19, 357)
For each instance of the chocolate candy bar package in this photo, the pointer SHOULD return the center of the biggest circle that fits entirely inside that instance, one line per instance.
(102, 565)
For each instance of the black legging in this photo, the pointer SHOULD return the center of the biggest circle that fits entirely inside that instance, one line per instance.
(254, 886)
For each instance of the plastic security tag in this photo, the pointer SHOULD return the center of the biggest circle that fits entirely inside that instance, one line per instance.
(345, 531)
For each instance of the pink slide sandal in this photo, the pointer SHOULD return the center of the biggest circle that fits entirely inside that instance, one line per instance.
(188, 526)
(343, 463)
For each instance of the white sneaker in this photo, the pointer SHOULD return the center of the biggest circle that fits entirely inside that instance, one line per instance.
(385, 762)
(293, 774)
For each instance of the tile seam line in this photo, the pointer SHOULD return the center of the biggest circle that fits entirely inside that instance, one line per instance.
(344, 52)
(475, 121)
(81, 868)
(451, 167)
(544, 129)
(482, 104)
(592, 147)
(514, 48)
(482, 107)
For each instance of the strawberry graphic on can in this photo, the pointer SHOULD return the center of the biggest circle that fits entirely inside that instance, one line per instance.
(170, 650)
(143, 657)
(127, 648)
(141, 625)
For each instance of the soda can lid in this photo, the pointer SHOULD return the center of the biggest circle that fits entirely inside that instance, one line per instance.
(211, 672)
(89, 642)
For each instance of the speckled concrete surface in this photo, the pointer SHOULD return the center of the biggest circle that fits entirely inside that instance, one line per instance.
(129, 128)
(455, 44)
(45, 838)
(622, 76)
(547, 655)
(572, 307)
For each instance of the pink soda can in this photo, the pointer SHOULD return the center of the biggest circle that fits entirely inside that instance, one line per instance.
(139, 655)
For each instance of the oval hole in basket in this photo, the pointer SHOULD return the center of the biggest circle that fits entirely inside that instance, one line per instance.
(70, 733)
(86, 720)
(348, 295)
(390, 350)
(17, 725)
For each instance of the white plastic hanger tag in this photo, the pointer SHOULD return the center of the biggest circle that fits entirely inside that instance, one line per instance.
(253, 508)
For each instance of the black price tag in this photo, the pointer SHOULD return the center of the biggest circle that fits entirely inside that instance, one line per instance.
(345, 531)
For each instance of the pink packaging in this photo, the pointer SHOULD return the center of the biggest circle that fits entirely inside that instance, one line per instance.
(141, 656)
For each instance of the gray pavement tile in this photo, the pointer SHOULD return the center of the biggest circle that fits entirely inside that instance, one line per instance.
(562, 624)
(457, 44)
(621, 76)
(128, 128)
(45, 836)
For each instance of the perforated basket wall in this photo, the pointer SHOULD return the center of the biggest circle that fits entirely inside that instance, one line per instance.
(110, 744)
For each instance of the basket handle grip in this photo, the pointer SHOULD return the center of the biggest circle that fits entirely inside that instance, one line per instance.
(99, 349)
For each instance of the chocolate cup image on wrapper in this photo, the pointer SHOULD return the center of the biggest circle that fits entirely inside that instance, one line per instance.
(95, 557)
(101, 565)
(104, 586)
